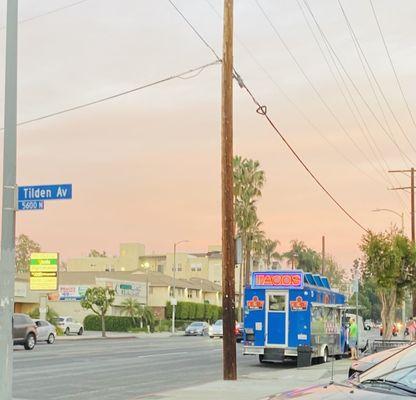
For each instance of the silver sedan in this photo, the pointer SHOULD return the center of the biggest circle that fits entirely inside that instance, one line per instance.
(46, 331)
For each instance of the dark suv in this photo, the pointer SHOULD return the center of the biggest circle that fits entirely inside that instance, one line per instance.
(24, 331)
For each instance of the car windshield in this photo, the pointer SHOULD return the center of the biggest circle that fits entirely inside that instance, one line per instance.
(402, 359)
(219, 322)
(194, 324)
(403, 379)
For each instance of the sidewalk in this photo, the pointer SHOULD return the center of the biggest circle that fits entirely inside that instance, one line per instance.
(259, 385)
(91, 335)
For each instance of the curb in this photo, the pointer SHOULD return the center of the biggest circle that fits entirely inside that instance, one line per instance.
(69, 339)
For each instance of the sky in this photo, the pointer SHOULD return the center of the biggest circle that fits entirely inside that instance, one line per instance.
(145, 167)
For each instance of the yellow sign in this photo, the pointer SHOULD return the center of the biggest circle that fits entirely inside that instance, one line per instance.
(44, 271)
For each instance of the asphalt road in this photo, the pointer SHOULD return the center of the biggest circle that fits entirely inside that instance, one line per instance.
(120, 369)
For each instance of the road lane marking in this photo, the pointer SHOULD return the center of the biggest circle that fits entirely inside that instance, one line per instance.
(164, 354)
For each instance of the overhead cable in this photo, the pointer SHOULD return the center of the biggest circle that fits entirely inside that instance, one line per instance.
(359, 49)
(312, 85)
(262, 110)
(48, 12)
(392, 64)
(300, 110)
(182, 75)
(355, 86)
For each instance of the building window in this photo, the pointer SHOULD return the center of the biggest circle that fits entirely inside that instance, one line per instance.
(196, 267)
(160, 268)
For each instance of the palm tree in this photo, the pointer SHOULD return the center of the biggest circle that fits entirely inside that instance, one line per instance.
(270, 252)
(293, 255)
(131, 307)
(248, 182)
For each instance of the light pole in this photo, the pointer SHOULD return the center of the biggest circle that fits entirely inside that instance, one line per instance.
(394, 212)
(146, 266)
(174, 283)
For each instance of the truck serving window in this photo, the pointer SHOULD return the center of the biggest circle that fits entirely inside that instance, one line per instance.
(277, 302)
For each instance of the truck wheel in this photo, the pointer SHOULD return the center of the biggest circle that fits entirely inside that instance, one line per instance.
(324, 358)
(261, 358)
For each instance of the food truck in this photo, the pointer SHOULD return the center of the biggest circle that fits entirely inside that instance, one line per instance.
(287, 313)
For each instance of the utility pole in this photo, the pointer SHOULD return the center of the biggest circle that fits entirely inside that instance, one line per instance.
(7, 262)
(323, 255)
(412, 212)
(228, 273)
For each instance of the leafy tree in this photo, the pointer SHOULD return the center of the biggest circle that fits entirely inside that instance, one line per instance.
(248, 182)
(24, 247)
(96, 253)
(99, 300)
(389, 260)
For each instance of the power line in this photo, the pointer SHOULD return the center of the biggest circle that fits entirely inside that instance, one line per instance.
(325, 38)
(374, 148)
(201, 38)
(298, 108)
(392, 64)
(263, 111)
(311, 84)
(48, 12)
(359, 49)
(382, 169)
(181, 75)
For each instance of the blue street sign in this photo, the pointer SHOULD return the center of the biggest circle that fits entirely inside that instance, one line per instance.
(30, 205)
(45, 192)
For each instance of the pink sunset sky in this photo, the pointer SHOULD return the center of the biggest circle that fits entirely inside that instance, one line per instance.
(146, 167)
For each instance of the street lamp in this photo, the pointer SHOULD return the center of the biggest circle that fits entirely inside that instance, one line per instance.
(146, 266)
(174, 283)
(394, 212)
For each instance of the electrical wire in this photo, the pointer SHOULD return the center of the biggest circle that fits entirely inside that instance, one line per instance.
(392, 64)
(201, 38)
(263, 111)
(355, 86)
(311, 84)
(180, 75)
(359, 49)
(48, 12)
(299, 109)
(374, 148)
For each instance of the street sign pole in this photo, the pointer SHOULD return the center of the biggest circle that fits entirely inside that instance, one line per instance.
(7, 261)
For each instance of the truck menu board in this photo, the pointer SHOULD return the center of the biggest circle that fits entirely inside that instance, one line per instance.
(44, 271)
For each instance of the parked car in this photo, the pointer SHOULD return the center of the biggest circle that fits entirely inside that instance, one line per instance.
(368, 324)
(395, 330)
(69, 325)
(365, 363)
(24, 331)
(46, 331)
(198, 328)
(217, 330)
(393, 378)
(239, 331)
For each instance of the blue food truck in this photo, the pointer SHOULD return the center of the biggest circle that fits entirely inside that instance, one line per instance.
(287, 312)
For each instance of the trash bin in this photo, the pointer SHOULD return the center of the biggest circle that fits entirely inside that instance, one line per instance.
(304, 356)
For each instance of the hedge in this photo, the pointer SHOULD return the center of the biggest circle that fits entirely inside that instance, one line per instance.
(112, 323)
(186, 310)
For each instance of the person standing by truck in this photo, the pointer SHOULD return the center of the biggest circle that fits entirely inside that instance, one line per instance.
(353, 337)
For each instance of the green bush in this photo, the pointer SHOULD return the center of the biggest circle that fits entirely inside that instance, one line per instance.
(112, 323)
(51, 315)
(189, 311)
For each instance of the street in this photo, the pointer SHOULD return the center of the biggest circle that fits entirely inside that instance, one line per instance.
(120, 368)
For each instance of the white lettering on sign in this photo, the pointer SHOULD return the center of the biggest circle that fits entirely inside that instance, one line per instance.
(259, 326)
(61, 192)
(31, 193)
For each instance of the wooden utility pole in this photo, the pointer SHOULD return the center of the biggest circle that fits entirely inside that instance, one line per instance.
(412, 212)
(323, 256)
(228, 269)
